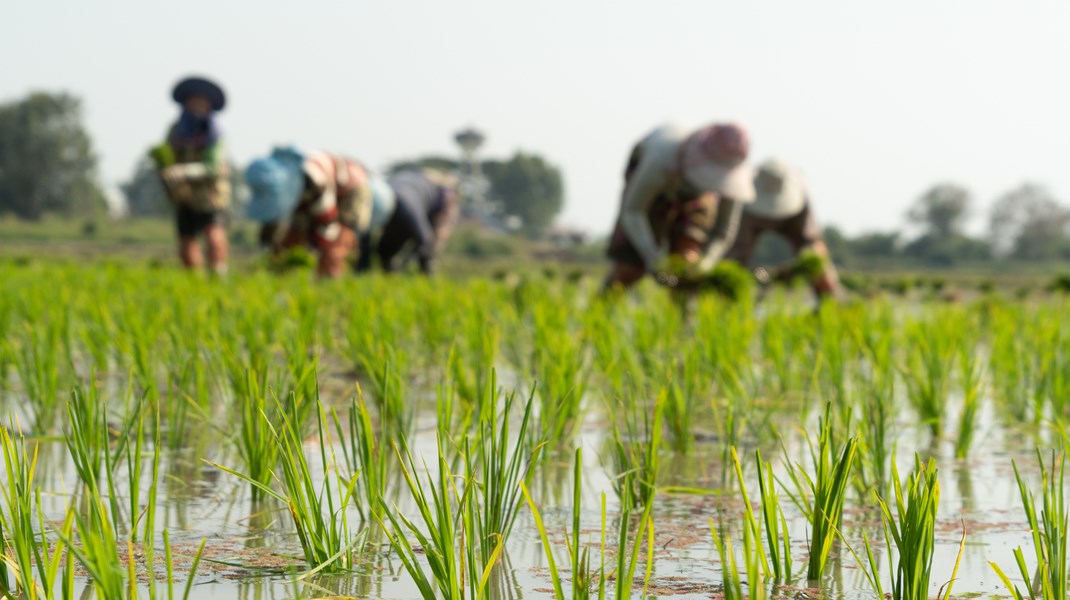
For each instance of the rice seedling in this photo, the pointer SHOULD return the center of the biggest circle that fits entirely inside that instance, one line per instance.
(1012, 363)
(256, 441)
(364, 452)
(96, 458)
(927, 374)
(832, 346)
(501, 464)
(731, 416)
(170, 566)
(559, 365)
(34, 566)
(39, 372)
(138, 334)
(455, 573)
(821, 498)
(97, 334)
(783, 338)
(912, 532)
(972, 382)
(776, 560)
(681, 403)
(473, 357)
(87, 438)
(751, 525)
(730, 573)
(98, 550)
(1050, 577)
(318, 511)
(149, 515)
(395, 410)
(134, 466)
(583, 579)
(877, 429)
(636, 445)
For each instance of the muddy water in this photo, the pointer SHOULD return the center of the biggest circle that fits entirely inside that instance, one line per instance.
(978, 495)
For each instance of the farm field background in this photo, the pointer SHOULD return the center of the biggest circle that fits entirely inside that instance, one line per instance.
(343, 438)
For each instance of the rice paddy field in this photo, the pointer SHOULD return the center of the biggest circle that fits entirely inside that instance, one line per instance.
(269, 436)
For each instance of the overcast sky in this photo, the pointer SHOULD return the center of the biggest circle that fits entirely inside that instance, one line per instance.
(874, 101)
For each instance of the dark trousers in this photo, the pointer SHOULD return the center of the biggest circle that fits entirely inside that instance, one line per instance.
(399, 231)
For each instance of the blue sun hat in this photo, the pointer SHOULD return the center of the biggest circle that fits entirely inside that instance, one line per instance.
(276, 182)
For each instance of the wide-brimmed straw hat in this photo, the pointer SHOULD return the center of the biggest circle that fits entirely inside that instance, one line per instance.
(715, 160)
(780, 191)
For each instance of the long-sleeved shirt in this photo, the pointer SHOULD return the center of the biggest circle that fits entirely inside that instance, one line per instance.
(422, 203)
(656, 173)
(196, 174)
(337, 193)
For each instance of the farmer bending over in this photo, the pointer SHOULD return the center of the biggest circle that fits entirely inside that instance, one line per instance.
(425, 212)
(330, 200)
(782, 206)
(683, 192)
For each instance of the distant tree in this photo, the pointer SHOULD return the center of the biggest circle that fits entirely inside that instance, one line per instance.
(875, 245)
(47, 163)
(441, 163)
(838, 244)
(524, 186)
(144, 193)
(942, 211)
(527, 187)
(945, 252)
(1029, 223)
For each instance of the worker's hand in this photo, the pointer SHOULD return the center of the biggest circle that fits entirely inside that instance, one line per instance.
(326, 236)
(676, 268)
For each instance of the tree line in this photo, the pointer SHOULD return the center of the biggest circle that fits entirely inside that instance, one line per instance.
(1026, 223)
(48, 167)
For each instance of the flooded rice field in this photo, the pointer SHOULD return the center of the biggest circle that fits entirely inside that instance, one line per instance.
(271, 437)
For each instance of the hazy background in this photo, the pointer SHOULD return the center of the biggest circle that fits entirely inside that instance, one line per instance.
(874, 102)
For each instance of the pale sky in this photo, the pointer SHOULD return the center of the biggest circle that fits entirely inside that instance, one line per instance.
(873, 101)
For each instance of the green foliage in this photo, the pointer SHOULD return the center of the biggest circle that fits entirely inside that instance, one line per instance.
(474, 243)
(942, 210)
(730, 280)
(528, 187)
(631, 533)
(821, 497)
(1029, 223)
(47, 163)
(189, 368)
(1060, 283)
(440, 163)
(525, 186)
(912, 530)
(1049, 529)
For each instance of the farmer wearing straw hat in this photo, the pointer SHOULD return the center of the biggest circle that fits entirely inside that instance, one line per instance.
(683, 193)
(782, 206)
(330, 200)
(192, 165)
(426, 210)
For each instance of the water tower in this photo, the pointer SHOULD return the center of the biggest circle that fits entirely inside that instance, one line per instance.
(473, 185)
